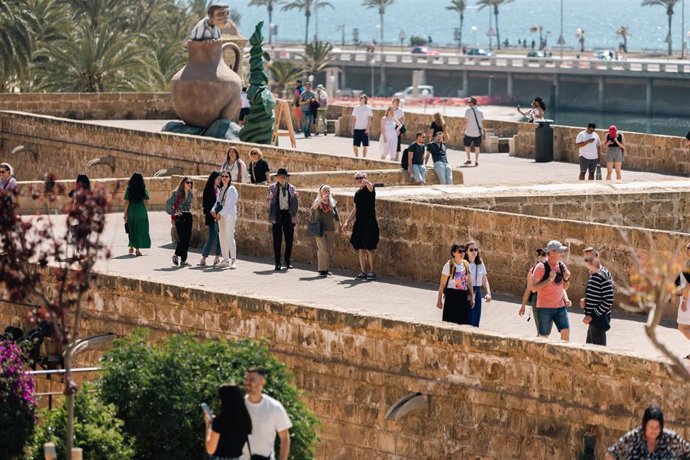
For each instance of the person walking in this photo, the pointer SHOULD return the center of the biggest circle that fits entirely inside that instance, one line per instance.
(7, 182)
(650, 440)
(416, 159)
(282, 200)
(305, 106)
(437, 148)
(472, 135)
(324, 211)
(598, 298)
(530, 296)
(235, 166)
(228, 433)
(322, 99)
(299, 89)
(589, 145)
(615, 147)
(245, 105)
(179, 206)
(550, 280)
(399, 115)
(225, 213)
(365, 230)
(82, 183)
(682, 283)
(479, 281)
(136, 214)
(210, 197)
(455, 291)
(258, 168)
(390, 128)
(360, 123)
(268, 416)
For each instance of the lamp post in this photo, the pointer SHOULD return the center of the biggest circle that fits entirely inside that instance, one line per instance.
(474, 33)
(372, 64)
(402, 38)
(682, 29)
(561, 40)
(341, 27)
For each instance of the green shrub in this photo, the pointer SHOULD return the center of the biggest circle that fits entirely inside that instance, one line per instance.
(157, 390)
(416, 40)
(97, 430)
(17, 400)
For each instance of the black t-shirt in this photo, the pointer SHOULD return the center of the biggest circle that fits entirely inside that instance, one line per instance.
(610, 143)
(417, 152)
(436, 127)
(438, 152)
(366, 204)
(231, 441)
(687, 136)
(258, 171)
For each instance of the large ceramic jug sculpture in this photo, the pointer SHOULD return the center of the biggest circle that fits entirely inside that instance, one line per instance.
(206, 89)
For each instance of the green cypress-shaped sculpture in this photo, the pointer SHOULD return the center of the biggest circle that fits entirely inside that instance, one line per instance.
(258, 126)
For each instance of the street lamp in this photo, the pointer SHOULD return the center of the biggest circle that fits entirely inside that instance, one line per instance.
(341, 27)
(474, 32)
(561, 40)
(372, 64)
(402, 38)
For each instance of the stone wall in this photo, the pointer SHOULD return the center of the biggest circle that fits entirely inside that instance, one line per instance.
(92, 106)
(487, 396)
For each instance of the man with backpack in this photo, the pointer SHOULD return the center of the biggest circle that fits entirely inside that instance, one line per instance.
(598, 299)
(550, 281)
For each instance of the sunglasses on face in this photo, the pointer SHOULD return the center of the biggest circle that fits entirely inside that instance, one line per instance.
(472, 250)
(588, 259)
(189, 182)
(225, 177)
(359, 178)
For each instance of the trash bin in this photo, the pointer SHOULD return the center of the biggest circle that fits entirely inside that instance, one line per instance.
(543, 141)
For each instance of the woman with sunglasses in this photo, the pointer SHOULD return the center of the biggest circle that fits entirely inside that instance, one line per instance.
(365, 230)
(209, 201)
(179, 206)
(7, 182)
(479, 279)
(455, 291)
(225, 212)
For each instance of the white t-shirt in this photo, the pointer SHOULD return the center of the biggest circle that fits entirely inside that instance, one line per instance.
(399, 114)
(362, 114)
(471, 128)
(459, 280)
(589, 151)
(268, 418)
(245, 100)
(477, 273)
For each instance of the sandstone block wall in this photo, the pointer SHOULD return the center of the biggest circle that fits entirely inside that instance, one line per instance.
(92, 106)
(488, 396)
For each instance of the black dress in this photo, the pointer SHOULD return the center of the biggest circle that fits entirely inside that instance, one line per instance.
(231, 440)
(365, 231)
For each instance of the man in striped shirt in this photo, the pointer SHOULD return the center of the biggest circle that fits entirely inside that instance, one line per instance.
(598, 299)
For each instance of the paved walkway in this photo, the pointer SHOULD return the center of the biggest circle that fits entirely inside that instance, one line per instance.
(404, 300)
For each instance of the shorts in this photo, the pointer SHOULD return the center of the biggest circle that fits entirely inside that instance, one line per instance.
(586, 165)
(469, 140)
(614, 155)
(361, 137)
(684, 316)
(244, 111)
(559, 316)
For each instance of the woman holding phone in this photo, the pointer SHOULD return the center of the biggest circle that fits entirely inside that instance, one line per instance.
(227, 433)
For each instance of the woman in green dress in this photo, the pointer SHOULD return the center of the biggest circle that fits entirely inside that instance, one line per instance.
(136, 215)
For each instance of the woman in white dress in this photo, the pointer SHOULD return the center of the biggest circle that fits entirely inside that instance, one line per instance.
(389, 134)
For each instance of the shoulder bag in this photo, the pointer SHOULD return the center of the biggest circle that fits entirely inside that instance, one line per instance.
(314, 227)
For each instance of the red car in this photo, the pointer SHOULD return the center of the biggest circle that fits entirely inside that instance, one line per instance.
(425, 50)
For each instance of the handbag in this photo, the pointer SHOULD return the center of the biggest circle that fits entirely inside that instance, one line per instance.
(127, 227)
(314, 227)
(402, 129)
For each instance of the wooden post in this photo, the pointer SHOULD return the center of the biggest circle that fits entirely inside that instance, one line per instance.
(49, 451)
(283, 112)
(77, 453)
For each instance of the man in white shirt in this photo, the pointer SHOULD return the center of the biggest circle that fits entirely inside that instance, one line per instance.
(590, 150)
(268, 417)
(360, 121)
(209, 27)
(474, 118)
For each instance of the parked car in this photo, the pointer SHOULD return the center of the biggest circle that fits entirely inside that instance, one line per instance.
(536, 54)
(408, 92)
(605, 55)
(425, 50)
(480, 52)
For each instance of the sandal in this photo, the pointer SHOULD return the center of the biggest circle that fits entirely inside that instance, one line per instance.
(131, 251)
(137, 253)
(468, 162)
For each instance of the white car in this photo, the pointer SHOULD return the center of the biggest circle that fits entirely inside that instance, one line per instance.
(422, 91)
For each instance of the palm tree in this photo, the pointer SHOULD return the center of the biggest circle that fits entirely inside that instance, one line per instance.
(308, 6)
(317, 55)
(459, 7)
(381, 6)
(283, 73)
(624, 33)
(669, 5)
(16, 25)
(270, 5)
(494, 4)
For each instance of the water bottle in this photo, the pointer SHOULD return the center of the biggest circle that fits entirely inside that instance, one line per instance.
(597, 173)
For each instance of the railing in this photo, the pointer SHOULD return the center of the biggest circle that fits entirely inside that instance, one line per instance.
(502, 62)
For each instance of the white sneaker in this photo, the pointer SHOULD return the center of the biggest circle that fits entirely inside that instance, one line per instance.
(224, 263)
(233, 264)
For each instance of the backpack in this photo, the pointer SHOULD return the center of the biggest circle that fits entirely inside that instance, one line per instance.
(547, 270)
(404, 160)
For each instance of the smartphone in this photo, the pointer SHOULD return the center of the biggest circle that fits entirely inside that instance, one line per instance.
(206, 409)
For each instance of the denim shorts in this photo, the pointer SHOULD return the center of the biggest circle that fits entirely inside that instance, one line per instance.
(559, 316)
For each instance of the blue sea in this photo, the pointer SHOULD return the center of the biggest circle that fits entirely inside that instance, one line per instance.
(598, 18)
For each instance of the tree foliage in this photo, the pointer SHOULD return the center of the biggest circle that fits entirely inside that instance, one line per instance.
(494, 4)
(308, 6)
(316, 57)
(157, 390)
(16, 25)
(668, 5)
(283, 73)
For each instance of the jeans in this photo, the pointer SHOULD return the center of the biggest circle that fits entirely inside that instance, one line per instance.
(283, 227)
(419, 173)
(547, 316)
(226, 235)
(476, 312)
(321, 118)
(183, 225)
(444, 173)
(212, 239)
(307, 119)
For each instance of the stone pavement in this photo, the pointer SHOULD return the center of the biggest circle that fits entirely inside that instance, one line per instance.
(392, 298)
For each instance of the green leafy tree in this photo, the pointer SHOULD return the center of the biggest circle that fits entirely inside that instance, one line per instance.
(308, 6)
(16, 25)
(316, 57)
(494, 4)
(157, 390)
(668, 5)
(96, 428)
(283, 73)
(270, 6)
(459, 7)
